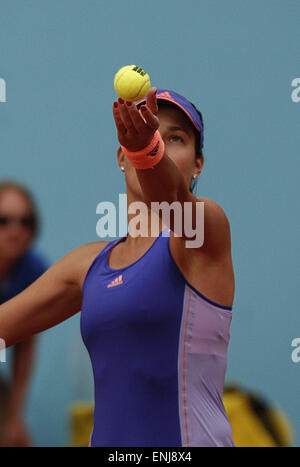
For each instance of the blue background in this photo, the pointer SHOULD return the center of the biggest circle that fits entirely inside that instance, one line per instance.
(235, 60)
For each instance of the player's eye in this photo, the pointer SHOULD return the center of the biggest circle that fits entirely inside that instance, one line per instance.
(176, 139)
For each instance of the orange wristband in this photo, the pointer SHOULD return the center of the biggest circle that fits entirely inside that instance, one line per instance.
(149, 156)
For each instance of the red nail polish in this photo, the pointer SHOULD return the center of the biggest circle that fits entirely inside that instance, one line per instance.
(115, 105)
(121, 100)
(128, 103)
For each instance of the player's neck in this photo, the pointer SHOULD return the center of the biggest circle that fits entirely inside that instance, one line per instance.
(142, 221)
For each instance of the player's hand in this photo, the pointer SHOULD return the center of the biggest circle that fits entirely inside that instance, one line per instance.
(136, 127)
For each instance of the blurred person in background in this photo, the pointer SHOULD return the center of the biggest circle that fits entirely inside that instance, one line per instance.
(20, 265)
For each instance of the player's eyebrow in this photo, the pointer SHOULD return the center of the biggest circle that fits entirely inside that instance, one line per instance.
(176, 128)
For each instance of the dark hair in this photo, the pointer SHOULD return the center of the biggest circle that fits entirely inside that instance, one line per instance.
(198, 148)
(7, 185)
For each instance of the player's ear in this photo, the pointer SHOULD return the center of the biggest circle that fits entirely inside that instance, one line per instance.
(199, 164)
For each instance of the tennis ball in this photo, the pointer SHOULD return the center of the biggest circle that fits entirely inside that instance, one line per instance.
(132, 83)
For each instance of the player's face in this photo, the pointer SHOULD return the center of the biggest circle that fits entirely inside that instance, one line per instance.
(179, 138)
(16, 232)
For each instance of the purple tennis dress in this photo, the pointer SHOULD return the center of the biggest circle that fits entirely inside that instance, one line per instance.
(158, 349)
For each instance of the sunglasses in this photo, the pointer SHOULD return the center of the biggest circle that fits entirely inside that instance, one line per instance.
(27, 222)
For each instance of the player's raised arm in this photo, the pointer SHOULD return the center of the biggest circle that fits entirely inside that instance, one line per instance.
(51, 299)
(164, 144)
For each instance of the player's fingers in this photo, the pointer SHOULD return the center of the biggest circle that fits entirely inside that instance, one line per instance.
(152, 101)
(136, 117)
(119, 122)
(125, 116)
(151, 120)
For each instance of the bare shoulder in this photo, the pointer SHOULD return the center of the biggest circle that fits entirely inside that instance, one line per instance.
(214, 209)
(217, 235)
(75, 264)
(216, 232)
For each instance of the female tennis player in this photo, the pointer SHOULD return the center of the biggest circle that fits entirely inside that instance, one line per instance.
(155, 315)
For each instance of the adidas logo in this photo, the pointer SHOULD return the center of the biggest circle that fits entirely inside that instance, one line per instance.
(154, 150)
(116, 281)
(167, 95)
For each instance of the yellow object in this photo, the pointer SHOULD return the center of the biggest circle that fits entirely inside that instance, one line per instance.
(132, 83)
(248, 427)
(82, 419)
(252, 428)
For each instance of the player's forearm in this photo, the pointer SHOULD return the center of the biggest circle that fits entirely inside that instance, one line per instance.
(22, 366)
(163, 182)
